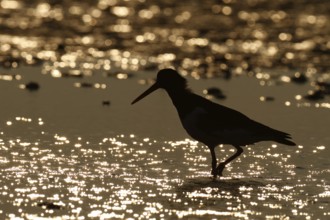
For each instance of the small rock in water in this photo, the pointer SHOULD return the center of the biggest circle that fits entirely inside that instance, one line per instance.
(314, 95)
(32, 86)
(266, 98)
(90, 85)
(324, 86)
(214, 92)
(86, 85)
(49, 205)
(61, 47)
(299, 78)
(106, 103)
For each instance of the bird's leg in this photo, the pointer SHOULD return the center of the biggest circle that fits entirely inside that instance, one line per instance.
(214, 162)
(222, 165)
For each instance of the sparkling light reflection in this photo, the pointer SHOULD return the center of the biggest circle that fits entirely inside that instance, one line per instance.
(125, 176)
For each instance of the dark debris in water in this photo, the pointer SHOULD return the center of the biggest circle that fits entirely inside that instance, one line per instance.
(267, 98)
(324, 87)
(299, 78)
(214, 92)
(86, 85)
(320, 91)
(106, 103)
(315, 95)
(32, 86)
(49, 205)
(89, 85)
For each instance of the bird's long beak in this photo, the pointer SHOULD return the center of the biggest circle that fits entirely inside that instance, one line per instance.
(147, 92)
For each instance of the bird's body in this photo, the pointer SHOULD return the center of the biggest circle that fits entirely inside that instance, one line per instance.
(211, 123)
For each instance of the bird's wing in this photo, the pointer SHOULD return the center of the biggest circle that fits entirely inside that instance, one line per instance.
(212, 124)
(218, 118)
(221, 119)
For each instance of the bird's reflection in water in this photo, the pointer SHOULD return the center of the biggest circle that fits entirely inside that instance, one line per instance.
(207, 188)
(228, 184)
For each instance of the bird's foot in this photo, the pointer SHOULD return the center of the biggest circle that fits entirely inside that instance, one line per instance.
(214, 173)
(220, 169)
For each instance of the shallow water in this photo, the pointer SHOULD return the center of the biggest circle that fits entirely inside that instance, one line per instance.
(60, 146)
(75, 148)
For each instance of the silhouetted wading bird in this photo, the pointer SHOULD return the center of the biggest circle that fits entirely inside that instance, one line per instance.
(211, 123)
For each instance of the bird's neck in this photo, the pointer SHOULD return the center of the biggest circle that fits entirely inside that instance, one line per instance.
(178, 95)
(180, 99)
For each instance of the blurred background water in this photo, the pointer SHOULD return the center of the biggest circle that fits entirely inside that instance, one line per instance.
(72, 146)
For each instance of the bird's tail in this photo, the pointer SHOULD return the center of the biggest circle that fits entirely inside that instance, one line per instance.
(283, 138)
(286, 142)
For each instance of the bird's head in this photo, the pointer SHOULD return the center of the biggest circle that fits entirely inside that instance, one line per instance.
(170, 79)
(167, 79)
